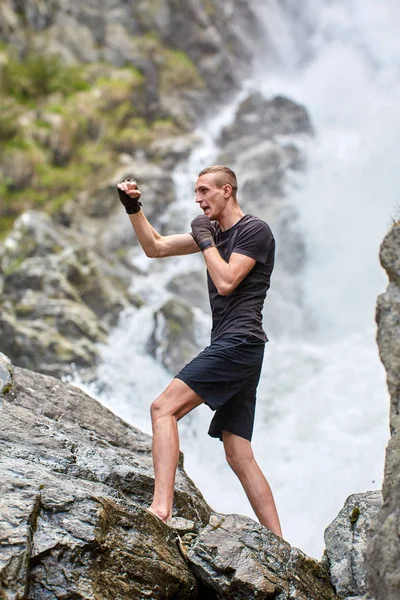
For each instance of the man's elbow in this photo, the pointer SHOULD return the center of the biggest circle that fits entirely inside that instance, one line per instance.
(153, 252)
(225, 288)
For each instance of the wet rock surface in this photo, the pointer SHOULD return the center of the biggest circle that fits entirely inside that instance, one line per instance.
(234, 557)
(346, 540)
(383, 550)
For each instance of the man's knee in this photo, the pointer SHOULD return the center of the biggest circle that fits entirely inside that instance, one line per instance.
(238, 452)
(160, 407)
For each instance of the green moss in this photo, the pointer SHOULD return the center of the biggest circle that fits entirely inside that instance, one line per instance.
(178, 71)
(354, 516)
(6, 223)
(24, 310)
(209, 7)
(9, 124)
(7, 388)
(39, 75)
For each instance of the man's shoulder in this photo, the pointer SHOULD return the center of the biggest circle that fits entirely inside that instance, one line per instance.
(253, 224)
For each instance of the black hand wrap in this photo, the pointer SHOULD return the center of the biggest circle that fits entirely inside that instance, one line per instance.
(203, 232)
(132, 205)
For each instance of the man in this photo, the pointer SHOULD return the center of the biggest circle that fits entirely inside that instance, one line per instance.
(238, 250)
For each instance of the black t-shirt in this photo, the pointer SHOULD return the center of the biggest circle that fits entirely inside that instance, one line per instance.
(241, 311)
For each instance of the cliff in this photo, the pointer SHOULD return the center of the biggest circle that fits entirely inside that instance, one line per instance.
(383, 553)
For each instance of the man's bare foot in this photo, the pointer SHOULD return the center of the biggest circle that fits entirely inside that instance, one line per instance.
(162, 516)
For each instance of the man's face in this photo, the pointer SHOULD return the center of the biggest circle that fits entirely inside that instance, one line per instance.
(210, 198)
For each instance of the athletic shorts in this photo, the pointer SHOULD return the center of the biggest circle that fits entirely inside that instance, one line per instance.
(225, 375)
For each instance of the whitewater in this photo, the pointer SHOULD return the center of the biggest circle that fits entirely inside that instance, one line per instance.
(322, 413)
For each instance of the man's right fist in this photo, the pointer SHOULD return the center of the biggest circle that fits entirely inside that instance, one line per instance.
(125, 189)
(203, 232)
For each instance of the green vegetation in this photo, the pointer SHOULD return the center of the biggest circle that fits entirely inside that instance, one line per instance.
(354, 515)
(179, 72)
(62, 127)
(39, 75)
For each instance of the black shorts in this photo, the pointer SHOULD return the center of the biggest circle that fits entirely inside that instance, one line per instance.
(225, 375)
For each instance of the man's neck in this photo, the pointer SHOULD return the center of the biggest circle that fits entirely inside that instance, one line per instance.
(229, 218)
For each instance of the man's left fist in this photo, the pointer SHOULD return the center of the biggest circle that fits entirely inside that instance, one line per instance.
(203, 232)
(131, 204)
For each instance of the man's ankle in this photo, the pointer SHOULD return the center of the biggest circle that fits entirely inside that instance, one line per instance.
(162, 514)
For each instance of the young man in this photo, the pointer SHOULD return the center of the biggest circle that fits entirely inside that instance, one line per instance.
(238, 250)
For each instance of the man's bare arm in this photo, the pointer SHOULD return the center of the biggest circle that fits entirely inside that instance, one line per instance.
(227, 276)
(154, 244)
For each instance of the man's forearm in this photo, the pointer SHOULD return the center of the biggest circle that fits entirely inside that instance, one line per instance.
(147, 236)
(227, 276)
(219, 270)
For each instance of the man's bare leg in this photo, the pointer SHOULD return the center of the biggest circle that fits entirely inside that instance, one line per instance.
(240, 457)
(174, 403)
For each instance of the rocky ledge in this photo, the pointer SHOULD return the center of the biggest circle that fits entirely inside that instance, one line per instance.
(75, 484)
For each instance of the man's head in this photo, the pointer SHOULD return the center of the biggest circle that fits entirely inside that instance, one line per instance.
(216, 189)
(223, 176)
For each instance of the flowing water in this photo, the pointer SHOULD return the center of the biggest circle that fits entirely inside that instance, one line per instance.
(322, 420)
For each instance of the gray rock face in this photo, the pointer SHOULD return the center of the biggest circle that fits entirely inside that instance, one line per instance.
(75, 481)
(191, 287)
(265, 119)
(383, 550)
(346, 539)
(57, 303)
(173, 341)
(234, 557)
(74, 484)
(216, 36)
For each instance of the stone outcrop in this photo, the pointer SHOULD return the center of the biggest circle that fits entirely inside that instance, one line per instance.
(346, 540)
(74, 484)
(216, 37)
(234, 557)
(173, 341)
(75, 481)
(59, 298)
(383, 551)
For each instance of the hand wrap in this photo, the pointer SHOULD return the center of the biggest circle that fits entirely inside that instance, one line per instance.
(202, 232)
(132, 205)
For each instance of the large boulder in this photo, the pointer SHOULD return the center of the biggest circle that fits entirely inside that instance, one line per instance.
(75, 481)
(234, 557)
(346, 539)
(383, 550)
(173, 341)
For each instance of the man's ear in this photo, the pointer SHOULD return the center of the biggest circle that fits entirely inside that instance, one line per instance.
(227, 190)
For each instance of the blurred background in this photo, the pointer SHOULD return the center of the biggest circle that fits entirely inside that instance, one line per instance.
(303, 103)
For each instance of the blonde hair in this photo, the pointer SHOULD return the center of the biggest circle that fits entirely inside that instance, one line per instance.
(223, 175)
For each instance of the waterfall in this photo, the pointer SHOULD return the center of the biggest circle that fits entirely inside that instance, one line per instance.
(322, 416)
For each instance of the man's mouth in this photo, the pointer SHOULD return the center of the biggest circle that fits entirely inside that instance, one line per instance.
(206, 209)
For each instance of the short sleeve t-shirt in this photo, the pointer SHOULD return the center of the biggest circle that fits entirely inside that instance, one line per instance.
(241, 311)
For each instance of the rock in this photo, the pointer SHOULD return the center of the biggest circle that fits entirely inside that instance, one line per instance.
(383, 549)
(234, 557)
(5, 374)
(74, 483)
(191, 287)
(173, 341)
(218, 37)
(346, 539)
(266, 119)
(59, 298)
